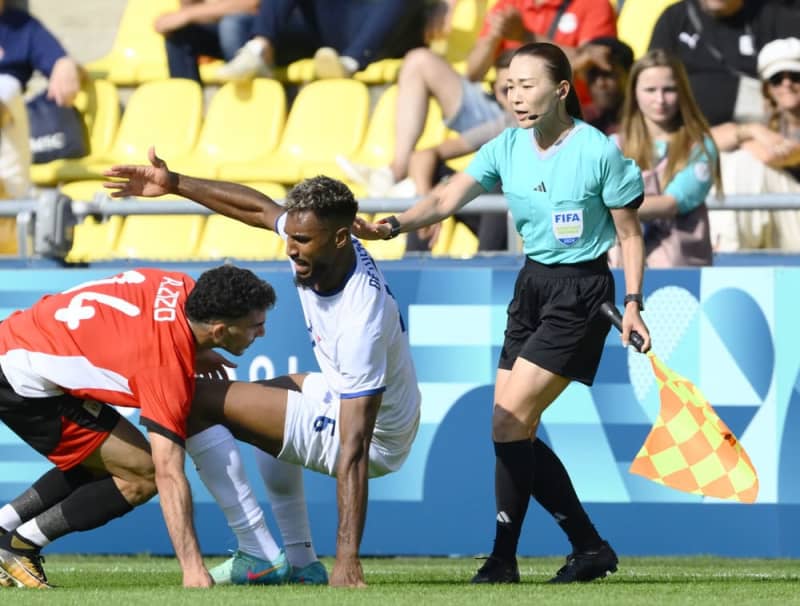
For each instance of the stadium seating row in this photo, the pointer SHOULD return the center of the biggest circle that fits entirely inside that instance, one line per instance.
(246, 134)
(201, 238)
(137, 54)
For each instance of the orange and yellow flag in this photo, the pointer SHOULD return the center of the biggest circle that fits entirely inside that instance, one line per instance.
(690, 448)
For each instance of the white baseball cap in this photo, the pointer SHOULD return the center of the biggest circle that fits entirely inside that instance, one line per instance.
(781, 55)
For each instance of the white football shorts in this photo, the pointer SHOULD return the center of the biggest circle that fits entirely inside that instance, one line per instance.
(311, 432)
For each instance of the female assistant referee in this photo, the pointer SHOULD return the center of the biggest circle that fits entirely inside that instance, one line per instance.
(571, 194)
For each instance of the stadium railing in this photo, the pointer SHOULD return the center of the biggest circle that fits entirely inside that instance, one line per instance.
(25, 210)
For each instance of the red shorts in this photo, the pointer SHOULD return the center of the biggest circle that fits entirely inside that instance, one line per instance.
(63, 428)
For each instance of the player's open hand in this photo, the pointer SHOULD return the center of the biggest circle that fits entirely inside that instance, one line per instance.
(364, 230)
(347, 573)
(211, 364)
(141, 180)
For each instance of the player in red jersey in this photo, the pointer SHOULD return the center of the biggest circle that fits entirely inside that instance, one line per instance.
(136, 339)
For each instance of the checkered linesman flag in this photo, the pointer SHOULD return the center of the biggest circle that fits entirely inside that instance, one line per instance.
(690, 448)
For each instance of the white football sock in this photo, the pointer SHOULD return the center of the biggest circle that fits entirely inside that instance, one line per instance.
(219, 464)
(32, 534)
(284, 483)
(9, 518)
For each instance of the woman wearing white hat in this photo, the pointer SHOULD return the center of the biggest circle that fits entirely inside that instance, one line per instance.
(765, 158)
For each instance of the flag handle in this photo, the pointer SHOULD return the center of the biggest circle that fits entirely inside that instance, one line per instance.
(611, 312)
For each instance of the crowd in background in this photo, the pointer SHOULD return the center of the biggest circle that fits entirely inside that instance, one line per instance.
(711, 109)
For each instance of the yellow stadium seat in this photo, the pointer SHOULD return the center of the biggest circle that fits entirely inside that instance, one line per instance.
(460, 164)
(276, 191)
(382, 71)
(386, 249)
(243, 122)
(225, 238)
(442, 246)
(464, 243)
(636, 22)
(300, 71)
(159, 237)
(85, 191)
(94, 240)
(378, 146)
(98, 103)
(209, 69)
(327, 118)
(165, 113)
(138, 53)
(466, 23)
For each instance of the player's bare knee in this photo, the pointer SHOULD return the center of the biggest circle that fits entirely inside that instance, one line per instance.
(138, 490)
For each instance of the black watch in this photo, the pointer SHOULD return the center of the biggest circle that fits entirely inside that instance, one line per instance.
(637, 297)
(394, 224)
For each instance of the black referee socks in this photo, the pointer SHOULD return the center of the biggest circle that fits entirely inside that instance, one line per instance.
(553, 489)
(513, 485)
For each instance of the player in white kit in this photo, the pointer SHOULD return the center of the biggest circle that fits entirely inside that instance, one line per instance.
(355, 419)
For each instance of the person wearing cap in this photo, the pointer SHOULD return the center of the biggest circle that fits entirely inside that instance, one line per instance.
(607, 86)
(764, 157)
(718, 42)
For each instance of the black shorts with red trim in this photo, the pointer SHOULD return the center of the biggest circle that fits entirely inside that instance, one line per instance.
(63, 428)
(554, 319)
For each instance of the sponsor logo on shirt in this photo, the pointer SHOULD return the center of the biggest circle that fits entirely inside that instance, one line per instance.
(701, 172)
(568, 225)
(689, 40)
(568, 23)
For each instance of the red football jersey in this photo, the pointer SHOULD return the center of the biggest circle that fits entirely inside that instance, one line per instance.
(124, 340)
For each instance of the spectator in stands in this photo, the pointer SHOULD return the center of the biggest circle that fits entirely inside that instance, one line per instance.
(664, 131)
(427, 167)
(765, 157)
(507, 25)
(607, 87)
(718, 42)
(15, 154)
(26, 46)
(343, 36)
(213, 28)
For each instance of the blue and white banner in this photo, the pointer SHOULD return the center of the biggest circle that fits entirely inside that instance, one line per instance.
(734, 332)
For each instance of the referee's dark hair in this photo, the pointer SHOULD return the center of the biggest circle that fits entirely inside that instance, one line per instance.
(329, 199)
(228, 293)
(558, 67)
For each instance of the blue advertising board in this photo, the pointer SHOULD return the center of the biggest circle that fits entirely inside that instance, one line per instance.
(731, 331)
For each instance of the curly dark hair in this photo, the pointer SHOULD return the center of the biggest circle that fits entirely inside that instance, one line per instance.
(329, 199)
(228, 293)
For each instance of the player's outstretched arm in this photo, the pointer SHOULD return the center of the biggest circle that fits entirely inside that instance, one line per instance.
(176, 504)
(230, 199)
(356, 423)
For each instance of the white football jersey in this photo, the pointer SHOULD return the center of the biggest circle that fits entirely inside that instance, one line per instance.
(361, 345)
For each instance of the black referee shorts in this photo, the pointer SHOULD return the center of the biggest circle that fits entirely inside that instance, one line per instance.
(554, 319)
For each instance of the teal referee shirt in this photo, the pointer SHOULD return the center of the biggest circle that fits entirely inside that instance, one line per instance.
(560, 198)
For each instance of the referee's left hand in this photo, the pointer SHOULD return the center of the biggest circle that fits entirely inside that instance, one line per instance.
(632, 321)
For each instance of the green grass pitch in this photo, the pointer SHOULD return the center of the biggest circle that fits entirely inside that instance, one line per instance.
(122, 581)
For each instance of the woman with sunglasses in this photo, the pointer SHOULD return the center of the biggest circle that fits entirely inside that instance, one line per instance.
(765, 158)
